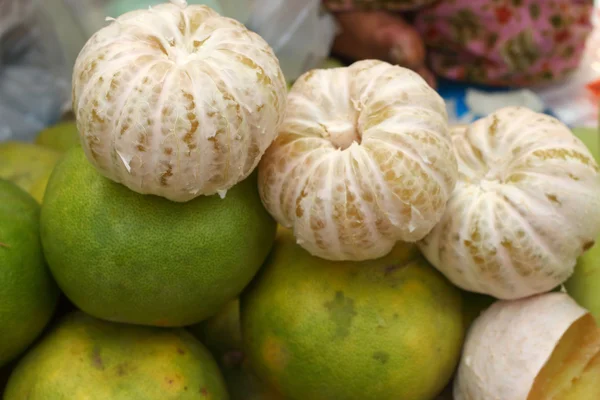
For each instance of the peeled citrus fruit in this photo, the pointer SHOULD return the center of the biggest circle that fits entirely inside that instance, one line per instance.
(83, 358)
(28, 294)
(539, 348)
(381, 329)
(177, 101)
(363, 159)
(141, 259)
(526, 205)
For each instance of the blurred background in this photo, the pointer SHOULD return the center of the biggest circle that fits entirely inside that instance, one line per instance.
(40, 40)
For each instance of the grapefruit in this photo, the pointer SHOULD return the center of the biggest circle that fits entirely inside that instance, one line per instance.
(142, 259)
(389, 328)
(28, 165)
(60, 137)
(84, 358)
(29, 295)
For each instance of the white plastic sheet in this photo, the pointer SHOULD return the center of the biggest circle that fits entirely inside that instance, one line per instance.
(299, 31)
(34, 83)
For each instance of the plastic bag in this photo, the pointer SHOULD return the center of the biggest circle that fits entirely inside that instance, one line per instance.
(34, 82)
(299, 31)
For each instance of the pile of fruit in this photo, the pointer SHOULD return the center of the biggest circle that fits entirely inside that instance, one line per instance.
(199, 232)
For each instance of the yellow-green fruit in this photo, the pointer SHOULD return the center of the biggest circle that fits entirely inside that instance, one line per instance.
(584, 284)
(389, 328)
(84, 358)
(28, 165)
(222, 335)
(60, 137)
(127, 257)
(28, 294)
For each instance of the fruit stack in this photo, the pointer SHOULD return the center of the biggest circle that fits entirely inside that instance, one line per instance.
(204, 234)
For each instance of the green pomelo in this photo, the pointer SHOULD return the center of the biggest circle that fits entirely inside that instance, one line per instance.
(390, 328)
(83, 358)
(584, 284)
(29, 295)
(127, 257)
(60, 137)
(28, 166)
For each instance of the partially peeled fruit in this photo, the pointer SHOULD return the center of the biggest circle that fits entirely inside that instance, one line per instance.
(545, 347)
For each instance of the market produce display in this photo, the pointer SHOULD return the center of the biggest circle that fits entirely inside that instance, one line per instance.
(200, 233)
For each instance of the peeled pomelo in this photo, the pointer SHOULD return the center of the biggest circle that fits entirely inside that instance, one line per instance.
(382, 329)
(28, 165)
(526, 206)
(539, 348)
(60, 137)
(86, 358)
(177, 101)
(363, 159)
(28, 294)
(142, 259)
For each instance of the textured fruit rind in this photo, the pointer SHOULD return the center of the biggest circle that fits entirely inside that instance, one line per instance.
(385, 329)
(86, 358)
(363, 159)
(177, 101)
(127, 257)
(526, 205)
(28, 294)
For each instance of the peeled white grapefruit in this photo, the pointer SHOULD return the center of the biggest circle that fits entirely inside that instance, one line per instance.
(363, 159)
(526, 205)
(177, 101)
